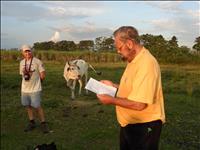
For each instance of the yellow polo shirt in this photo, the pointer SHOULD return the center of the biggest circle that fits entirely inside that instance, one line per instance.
(141, 82)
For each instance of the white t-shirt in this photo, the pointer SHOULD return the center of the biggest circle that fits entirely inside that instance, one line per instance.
(34, 84)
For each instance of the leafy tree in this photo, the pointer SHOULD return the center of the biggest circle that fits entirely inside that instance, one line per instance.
(184, 49)
(86, 45)
(43, 45)
(60, 45)
(156, 44)
(65, 45)
(173, 42)
(71, 45)
(99, 42)
(104, 43)
(108, 43)
(196, 46)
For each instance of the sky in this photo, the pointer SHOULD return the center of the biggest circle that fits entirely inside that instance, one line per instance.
(28, 22)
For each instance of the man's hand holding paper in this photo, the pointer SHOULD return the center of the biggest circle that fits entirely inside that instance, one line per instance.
(101, 88)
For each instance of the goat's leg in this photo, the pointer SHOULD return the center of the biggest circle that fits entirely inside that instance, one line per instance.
(80, 86)
(73, 90)
(86, 79)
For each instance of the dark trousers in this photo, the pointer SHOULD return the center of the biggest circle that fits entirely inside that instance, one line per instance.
(141, 136)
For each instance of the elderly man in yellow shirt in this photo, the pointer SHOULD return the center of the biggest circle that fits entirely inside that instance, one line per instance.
(139, 101)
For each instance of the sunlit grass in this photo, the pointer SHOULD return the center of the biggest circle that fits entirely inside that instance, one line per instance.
(86, 124)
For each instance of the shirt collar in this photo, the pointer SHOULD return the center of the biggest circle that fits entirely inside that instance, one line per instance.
(139, 55)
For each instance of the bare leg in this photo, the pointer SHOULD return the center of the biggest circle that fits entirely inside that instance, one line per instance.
(30, 112)
(44, 125)
(41, 114)
(31, 124)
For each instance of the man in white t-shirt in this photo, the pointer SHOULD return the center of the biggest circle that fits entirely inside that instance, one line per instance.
(33, 72)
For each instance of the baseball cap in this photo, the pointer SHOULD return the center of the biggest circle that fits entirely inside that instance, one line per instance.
(26, 47)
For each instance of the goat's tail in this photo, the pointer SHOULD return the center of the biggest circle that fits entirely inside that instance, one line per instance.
(97, 72)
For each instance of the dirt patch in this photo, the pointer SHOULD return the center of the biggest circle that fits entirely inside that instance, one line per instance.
(78, 103)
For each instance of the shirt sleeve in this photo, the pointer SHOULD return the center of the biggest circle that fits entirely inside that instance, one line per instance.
(145, 85)
(41, 66)
(20, 68)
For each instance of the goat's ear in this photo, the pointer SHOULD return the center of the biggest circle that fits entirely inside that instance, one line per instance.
(68, 63)
(78, 67)
(75, 62)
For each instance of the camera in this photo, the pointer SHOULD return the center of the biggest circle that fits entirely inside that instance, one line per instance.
(27, 76)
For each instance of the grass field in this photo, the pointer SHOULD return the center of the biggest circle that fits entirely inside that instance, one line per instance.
(85, 124)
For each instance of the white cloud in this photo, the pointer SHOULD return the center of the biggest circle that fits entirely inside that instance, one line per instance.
(168, 6)
(34, 11)
(61, 12)
(164, 24)
(88, 30)
(81, 20)
(57, 10)
(198, 24)
(183, 28)
(56, 37)
(183, 23)
(194, 13)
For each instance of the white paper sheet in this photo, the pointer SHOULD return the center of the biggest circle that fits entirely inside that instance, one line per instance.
(100, 88)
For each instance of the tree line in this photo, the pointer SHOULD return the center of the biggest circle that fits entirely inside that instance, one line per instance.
(100, 43)
(164, 50)
(155, 43)
(102, 49)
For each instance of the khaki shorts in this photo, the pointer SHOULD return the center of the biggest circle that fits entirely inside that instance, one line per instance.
(31, 99)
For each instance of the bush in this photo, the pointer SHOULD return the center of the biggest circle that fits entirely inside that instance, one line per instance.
(91, 56)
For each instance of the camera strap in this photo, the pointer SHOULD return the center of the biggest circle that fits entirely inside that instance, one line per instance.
(29, 69)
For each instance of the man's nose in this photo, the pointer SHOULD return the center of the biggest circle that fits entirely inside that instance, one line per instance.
(118, 52)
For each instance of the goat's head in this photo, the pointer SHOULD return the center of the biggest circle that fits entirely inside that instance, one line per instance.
(73, 71)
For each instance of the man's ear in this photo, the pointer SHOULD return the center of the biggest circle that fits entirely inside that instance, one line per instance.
(130, 44)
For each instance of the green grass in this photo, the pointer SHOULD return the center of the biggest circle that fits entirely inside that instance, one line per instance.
(85, 124)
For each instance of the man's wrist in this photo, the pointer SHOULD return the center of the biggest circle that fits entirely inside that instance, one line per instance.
(116, 93)
(115, 85)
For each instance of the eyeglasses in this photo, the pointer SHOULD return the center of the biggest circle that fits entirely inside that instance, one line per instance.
(27, 51)
(119, 48)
